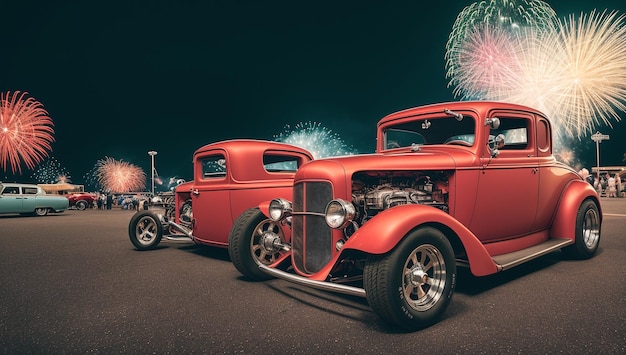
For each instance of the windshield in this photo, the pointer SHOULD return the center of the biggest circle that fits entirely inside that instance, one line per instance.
(434, 130)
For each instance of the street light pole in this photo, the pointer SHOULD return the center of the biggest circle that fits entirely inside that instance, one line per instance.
(598, 138)
(152, 153)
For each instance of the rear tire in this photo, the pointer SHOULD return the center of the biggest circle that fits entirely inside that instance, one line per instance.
(411, 286)
(41, 211)
(81, 205)
(588, 228)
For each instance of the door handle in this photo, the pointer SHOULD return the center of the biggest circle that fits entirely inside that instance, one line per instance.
(195, 192)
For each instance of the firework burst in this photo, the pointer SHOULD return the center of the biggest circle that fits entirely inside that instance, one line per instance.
(50, 172)
(119, 176)
(574, 72)
(486, 60)
(25, 131)
(318, 140)
(91, 180)
(506, 15)
(591, 87)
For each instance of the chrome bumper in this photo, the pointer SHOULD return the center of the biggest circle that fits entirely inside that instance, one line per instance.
(321, 285)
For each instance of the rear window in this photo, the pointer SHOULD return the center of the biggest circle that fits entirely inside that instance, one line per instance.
(274, 163)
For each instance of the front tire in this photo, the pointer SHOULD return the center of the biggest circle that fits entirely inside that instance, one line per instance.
(145, 230)
(411, 286)
(588, 227)
(245, 245)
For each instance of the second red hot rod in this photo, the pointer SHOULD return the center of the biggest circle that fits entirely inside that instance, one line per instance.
(229, 177)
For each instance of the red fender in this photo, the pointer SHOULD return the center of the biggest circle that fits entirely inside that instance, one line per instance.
(265, 208)
(564, 225)
(384, 231)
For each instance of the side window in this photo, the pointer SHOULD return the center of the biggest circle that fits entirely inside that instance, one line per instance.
(11, 190)
(515, 132)
(275, 163)
(213, 166)
(30, 190)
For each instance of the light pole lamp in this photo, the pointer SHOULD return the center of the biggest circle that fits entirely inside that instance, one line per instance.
(152, 153)
(598, 138)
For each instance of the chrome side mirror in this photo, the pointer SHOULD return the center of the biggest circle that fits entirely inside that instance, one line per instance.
(493, 122)
(494, 144)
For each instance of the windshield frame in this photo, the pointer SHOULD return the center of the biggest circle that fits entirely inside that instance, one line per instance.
(427, 130)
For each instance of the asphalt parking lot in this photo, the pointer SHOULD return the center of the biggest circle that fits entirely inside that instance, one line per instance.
(73, 283)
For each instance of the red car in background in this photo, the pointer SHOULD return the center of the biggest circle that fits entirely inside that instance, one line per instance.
(229, 178)
(81, 200)
(75, 194)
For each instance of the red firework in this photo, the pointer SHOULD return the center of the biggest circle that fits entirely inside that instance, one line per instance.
(25, 131)
(119, 176)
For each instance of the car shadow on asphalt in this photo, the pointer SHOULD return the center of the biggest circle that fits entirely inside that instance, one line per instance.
(346, 306)
(207, 251)
(198, 249)
(7, 216)
(469, 284)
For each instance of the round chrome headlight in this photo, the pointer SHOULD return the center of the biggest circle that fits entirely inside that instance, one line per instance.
(279, 209)
(339, 213)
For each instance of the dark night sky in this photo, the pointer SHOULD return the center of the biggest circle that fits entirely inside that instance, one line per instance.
(119, 78)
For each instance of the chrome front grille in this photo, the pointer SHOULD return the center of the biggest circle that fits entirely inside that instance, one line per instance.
(311, 236)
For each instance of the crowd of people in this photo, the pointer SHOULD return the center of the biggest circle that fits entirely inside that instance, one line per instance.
(606, 184)
(106, 201)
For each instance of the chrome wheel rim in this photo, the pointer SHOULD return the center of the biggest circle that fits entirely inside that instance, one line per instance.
(259, 252)
(146, 230)
(424, 277)
(591, 228)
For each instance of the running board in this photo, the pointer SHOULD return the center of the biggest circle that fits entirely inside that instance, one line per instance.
(507, 261)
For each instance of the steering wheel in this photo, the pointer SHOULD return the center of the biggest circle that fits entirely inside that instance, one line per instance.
(458, 142)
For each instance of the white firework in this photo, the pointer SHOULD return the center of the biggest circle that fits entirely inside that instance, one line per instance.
(574, 72)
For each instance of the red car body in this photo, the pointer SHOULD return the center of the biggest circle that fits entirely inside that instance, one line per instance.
(228, 178)
(462, 183)
(81, 200)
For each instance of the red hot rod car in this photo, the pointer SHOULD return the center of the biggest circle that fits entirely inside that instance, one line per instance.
(229, 177)
(81, 200)
(473, 184)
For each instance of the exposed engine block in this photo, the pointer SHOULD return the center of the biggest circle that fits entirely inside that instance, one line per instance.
(387, 196)
(383, 192)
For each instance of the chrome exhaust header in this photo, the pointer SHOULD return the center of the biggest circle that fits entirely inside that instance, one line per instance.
(187, 233)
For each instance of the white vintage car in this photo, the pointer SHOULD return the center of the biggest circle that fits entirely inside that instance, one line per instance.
(28, 199)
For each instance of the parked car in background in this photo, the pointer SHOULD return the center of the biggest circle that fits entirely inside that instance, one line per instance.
(81, 200)
(29, 199)
(132, 201)
(470, 184)
(229, 177)
(78, 198)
